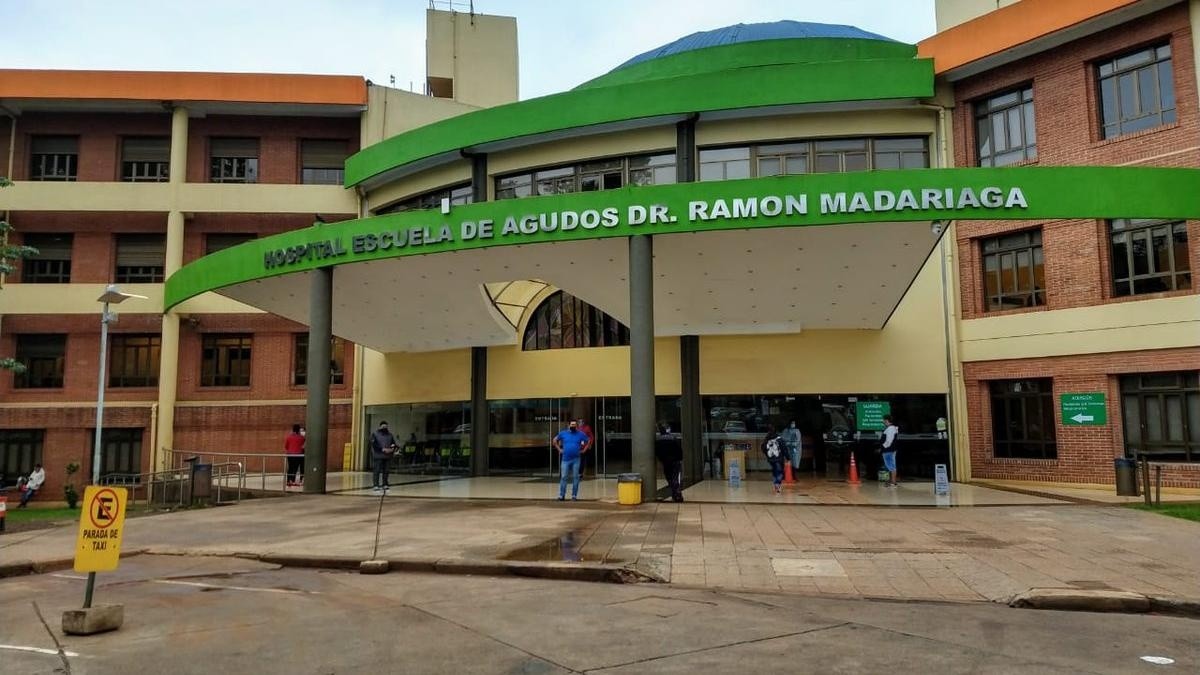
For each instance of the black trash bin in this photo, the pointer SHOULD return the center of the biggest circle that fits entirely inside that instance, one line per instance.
(200, 485)
(1126, 470)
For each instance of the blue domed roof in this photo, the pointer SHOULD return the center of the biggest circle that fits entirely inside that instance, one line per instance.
(752, 32)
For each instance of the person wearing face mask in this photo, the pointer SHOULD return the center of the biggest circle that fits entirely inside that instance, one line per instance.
(571, 443)
(669, 451)
(791, 438)
(293, 446)
(383, 446)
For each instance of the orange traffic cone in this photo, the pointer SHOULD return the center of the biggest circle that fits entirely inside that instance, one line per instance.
(787, 473)
(853, 479)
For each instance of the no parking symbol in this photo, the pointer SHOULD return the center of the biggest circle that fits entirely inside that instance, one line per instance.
(98, 546)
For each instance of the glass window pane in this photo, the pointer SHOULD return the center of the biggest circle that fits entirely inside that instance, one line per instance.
(887, 160)
(738, 169)
(1134, 59)
(983, 131)
(1133, 419)
(856, 162)
(842, 145)
(1015, 138)
(999, 134)
(1030, 127)
(914, 160)
(768, 166)
(1193, 416)
(797, 164)
(1161, 247)
(829, 163)
(1147, 90)
(1154, 426)
(1108, 101)
(1128, 97)
(1174, 409)
(1024, 272)
(714, 171)
(1166, 86)
(1141, 252)
(724, 154)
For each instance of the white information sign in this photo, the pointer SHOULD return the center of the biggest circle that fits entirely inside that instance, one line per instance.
(941, 480)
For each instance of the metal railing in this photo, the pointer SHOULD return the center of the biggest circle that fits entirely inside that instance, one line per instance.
(175, 486)
(255, 467)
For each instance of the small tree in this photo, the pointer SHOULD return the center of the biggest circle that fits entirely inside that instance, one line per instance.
(69, 492)
(8, 255)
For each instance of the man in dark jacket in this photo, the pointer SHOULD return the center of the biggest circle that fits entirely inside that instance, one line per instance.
(383, 446)
(669, 451)
(776, 451)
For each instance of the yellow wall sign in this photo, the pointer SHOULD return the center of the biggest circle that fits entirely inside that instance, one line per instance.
(101, 524)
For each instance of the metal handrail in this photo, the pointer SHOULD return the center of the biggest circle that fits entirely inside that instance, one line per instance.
(248, 460)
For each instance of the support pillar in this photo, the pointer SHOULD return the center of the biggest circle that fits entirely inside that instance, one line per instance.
(168, 361)
(641, 359)
(320, 337)
(691, 413)
(479, 412)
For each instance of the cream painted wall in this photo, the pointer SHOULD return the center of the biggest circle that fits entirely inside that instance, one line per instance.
(950, 13)
(604, 371)
(190, 197)
(87, 196)
(853, 123)
(416, 377)
(394, 111)
(426, 181)
(908, 355)
(478, 52)
(571, 150)
(76, 299)
(1162, 323)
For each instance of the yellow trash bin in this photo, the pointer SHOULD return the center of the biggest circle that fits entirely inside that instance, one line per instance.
(629, 488)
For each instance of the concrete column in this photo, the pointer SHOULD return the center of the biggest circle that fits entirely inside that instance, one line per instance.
(479, 412)
(479, 178)
(168, 364)
(685, 150)
(320, 335)
(641, 359)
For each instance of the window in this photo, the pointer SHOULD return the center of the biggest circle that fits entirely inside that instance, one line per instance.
(337, 360)
(52, 264)
(724, 163)
(133, 360)
(1162, 415)
(225, 361)
(1014, 274)
(54, 158)
(220, 242)
(1005, 132)
(820, 156)
(146, 159)
(1137, 91)
(604, 174)
(323, 162)
(141, 258)
(43, 356)
(20, 449)
(233, 160)
(120, 451)
(1023, 419)
(563, 321)
(1149, 256)
(458, 195)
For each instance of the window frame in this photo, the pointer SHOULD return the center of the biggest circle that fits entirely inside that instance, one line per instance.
(38, 160)
(1164, 114)
(547, 327)
(308, 173)
(989, 109)
(1037, 295)
(211, 347)
(337, 358)
(569, 178)
(33, 364)
(151, 171)
(812, 150)
(27, 445)
(1146, 227)
(458, 194)
(127, 442)
(148, 354)
(1042, 396)
(139, 274)
(41, 270)
(1186, 390)
(241, 164)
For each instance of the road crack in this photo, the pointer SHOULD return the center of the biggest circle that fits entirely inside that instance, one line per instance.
(62, 655)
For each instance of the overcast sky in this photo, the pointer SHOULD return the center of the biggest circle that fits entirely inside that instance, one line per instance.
(562, 42)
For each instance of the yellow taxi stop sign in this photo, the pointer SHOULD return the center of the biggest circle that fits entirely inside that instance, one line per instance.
(101, 524)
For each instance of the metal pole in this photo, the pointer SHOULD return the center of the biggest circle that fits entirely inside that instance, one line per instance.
(104, 318)
(641, 359)
(320, 337)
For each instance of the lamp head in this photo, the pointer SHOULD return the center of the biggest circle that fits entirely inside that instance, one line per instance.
(113, 295)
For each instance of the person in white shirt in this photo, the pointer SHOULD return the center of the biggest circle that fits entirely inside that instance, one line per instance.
(890, 431)
(36, 478)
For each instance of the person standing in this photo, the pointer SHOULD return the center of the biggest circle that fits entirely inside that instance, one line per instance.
(293, 447)
(383, 446)
(587, 430)
(776, 453)
(791, 438)
(34, 483)
(571, 444)
(890, 431)
(669, 451)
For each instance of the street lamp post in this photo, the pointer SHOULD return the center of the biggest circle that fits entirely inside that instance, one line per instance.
(112, 296)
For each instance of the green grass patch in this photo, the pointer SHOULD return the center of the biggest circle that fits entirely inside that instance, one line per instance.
(28, 515)
(1185, 511)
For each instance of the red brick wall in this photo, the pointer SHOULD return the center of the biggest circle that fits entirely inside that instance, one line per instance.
(1085, 454)
(94, 249)
(1064, 90)
(100, 140)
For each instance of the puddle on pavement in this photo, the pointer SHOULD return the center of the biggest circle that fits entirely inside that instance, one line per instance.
(563, 548)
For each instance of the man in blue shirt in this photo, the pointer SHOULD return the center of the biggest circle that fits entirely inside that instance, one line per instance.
(571, 443)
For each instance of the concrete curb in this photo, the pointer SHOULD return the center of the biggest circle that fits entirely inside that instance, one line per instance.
(20, 568)
(1124, 602)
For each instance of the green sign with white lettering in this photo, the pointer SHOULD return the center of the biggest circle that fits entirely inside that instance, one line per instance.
(868, 415)
(1083, 410)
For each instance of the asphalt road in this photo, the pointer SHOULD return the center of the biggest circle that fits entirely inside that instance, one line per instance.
(204, 614)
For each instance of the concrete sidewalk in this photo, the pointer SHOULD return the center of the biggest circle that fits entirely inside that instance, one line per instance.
(959, 554)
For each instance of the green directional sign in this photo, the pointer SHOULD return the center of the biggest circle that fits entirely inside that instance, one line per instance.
(868, 415)
(1083, 410)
